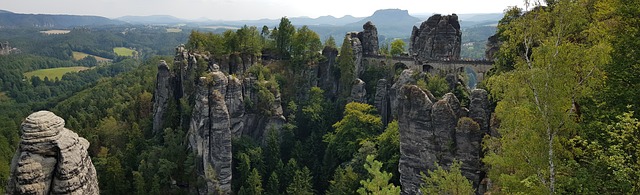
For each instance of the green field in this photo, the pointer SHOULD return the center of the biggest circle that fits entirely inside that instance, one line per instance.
(80, 56)
(52, 73)
(123, 51)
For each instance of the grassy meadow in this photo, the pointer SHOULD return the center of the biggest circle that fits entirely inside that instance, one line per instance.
(123, 51)
(52, 73)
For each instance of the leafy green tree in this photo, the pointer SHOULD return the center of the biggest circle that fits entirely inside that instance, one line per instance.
(253, 185)
(441, 181)
(138, 182)
(305, 47)
(347, 67)
(248, 40)
(284, 37)
(359, 123)
(379, 182)
(272, 185)
(389, 150)
(397, 47)
(345, 181)
(538, 98)
(301, 183)
(330, 42)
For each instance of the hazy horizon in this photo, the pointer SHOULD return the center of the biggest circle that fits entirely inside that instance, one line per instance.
(250, 9)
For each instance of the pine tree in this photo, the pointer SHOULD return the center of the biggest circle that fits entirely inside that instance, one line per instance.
(379, 182)
(301, 184)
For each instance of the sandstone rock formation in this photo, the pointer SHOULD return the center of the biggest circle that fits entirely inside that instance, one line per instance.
(369, 39)
(235, 104)
(356, 46)
(492, 47)
(210, 136)
(394, 92)
(416, 146)
(437, 38)
(51, 159)
(439, 133)
(382, 102)
(327, 80)
(358, 91)
(161, 95)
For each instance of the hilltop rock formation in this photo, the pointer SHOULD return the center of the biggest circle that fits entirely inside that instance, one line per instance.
(161, 95)
(394, 92)
(327, 80)
(439, 37)
(356, 46)
(369, 39)
(439, 133)
(492, 47)
(51, 159)
(6, 49)
(210, 135)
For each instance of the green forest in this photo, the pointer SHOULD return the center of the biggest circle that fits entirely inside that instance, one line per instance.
(564, 90)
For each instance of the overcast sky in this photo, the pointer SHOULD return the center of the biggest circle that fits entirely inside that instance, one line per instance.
(250, 9)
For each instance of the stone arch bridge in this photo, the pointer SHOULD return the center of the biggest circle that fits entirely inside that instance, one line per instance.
(479, 67)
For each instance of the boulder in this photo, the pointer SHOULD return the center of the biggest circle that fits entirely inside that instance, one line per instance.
(51, 159)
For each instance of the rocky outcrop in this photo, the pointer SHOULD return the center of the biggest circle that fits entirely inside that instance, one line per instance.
(416, 146)
(161, 95)
(327, 80)
(492, 47)
(369, 39)
(382, 102)
(438, 38)
(51, 159)
(438, 133)
(235, 104)
(479, 109)
(356, 46)
(210, 135)
(358, 91)
(394, 92)
(6, 49)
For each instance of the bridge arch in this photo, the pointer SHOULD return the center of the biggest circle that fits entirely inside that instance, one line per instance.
(400, 66)
(427, 68)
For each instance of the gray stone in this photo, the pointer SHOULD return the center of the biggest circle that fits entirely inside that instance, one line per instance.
(369, 39)
(358, 91)
(479, 109)
(394, 92)
(438, 38)
(161, 95)
(51, 159)
(235, 104)
(382, 101)
(210, 137)
(469, 149)
(356, 46)
(416, 135)
(326, 77)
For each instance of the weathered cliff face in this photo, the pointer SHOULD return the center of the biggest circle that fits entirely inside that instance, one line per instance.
(394, 92)
(369, 39)
(492, 47)
(382, 102)
(235, 104)
(210, 135)
(439, 133)
(327, 80)
(437, 38)
(51, 159)
(416, 146)
(161, 95)
(356, 45)
(358, 92)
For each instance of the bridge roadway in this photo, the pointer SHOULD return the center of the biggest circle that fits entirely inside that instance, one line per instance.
(479, 67)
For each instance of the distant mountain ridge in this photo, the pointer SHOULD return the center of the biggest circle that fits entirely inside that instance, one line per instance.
(153, 19)
(10, 19)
